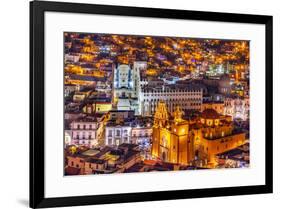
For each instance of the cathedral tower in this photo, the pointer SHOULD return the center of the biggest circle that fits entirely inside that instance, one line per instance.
(170, 136)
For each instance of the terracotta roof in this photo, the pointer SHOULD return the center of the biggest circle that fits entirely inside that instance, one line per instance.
(210, 114)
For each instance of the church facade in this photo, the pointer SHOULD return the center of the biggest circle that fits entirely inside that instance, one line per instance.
(126, 86)
(194, 141)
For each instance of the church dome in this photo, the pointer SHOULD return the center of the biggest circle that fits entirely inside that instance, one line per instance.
(210, 114)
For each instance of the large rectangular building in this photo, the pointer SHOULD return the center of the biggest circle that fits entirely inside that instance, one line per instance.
(187, 97)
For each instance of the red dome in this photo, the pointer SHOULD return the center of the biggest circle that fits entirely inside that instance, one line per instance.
(210, 114)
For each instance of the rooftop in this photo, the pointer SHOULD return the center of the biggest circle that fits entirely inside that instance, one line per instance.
(86, 119)
(86, 78)
(210, 114)
(96, 161)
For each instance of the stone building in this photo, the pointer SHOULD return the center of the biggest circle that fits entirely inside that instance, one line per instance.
(188, 97)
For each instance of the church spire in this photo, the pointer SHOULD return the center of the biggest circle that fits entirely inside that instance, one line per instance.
(178, 114)
(161, 115)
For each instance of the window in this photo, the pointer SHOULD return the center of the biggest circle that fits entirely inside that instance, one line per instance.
(164, 141)
(109, 141)
(110, 133)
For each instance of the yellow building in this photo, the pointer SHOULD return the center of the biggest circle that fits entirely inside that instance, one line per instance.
(98, 107)
(186, 142)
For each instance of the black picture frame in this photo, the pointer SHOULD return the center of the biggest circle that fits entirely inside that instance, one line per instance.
(37, 101)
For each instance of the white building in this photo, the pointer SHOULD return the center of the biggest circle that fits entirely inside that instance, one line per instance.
(67, 137)
(116, 134)
(123, 77)
(127, 86)
(126, 81)
(141, 135)
(121, 115)
(71, 58)
(70, 88)
(237, 108)
(84, 132)
(188, 97)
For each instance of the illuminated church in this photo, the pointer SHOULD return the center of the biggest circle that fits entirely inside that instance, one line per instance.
(127, 86)
(192, 141)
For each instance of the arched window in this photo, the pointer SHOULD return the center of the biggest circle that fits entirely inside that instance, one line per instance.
(164, 141)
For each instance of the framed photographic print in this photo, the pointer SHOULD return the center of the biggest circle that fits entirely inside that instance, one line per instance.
(135, 104)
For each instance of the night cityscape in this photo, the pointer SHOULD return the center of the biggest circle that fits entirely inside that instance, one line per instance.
(149, 103)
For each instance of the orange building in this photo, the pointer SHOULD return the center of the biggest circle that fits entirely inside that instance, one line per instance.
(192, 142)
